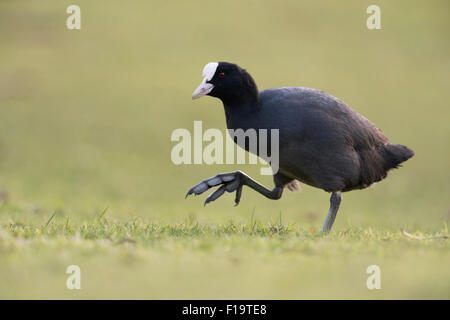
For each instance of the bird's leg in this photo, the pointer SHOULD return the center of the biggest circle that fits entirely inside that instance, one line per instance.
(233, 181)
(335, 201)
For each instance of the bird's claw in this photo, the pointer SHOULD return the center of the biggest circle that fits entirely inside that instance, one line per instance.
(238, 195)
(229, 182)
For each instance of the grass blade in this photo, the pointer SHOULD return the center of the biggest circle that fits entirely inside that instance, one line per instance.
(49, 220)
(102, 214)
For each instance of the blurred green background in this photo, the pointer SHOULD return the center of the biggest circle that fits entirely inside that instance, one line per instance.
(86, 118)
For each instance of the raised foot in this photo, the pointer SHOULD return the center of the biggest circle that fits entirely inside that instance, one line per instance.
(230, 182)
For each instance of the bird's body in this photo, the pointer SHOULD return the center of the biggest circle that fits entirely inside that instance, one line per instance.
(322, 141)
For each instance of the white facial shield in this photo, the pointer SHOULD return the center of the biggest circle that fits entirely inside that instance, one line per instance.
(204, 88)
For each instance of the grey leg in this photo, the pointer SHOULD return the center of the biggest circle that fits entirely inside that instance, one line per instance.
(233, 181)
(335, 201)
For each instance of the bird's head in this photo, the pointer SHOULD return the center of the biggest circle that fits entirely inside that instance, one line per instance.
(228, 82)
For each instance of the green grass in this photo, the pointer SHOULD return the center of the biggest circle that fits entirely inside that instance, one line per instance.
(247, 260)
(85, 171)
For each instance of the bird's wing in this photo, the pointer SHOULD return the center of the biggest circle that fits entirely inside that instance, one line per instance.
(330, 113)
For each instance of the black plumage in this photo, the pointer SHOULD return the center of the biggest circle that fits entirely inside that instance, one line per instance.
(322, 141)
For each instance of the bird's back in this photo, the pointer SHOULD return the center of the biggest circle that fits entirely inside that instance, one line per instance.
(324, 142)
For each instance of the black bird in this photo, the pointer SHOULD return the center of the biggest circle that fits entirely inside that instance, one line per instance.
(322, 141)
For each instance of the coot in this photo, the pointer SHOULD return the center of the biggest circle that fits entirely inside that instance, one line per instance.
(322, 141)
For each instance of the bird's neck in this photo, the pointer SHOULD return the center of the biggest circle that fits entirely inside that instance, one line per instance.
(241, 102)
(241, 99)
(240, 115)
(245, 95)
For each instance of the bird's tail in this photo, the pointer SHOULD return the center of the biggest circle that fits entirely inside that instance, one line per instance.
(395, 154)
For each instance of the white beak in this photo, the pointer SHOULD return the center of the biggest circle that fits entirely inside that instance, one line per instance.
(203, 89)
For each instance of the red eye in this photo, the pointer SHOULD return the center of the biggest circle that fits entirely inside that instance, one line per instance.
(221, 75)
